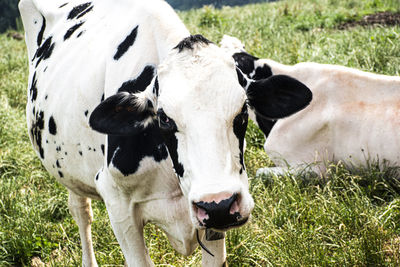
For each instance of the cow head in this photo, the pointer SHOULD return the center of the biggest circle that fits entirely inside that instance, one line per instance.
(199, 102)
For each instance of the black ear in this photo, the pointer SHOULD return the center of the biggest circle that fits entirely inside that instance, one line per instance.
(278, 96)
(122, 114)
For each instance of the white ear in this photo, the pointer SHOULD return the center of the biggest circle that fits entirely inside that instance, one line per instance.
(231, 44)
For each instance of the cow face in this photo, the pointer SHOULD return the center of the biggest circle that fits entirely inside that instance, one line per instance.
(199, 103)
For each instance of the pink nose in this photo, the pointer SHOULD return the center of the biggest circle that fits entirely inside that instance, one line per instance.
(219, 211)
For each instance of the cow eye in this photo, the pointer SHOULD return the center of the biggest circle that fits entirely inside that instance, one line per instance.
(164, 121)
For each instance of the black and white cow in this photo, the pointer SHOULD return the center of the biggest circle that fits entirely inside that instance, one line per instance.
(172, 110)
(354, 116)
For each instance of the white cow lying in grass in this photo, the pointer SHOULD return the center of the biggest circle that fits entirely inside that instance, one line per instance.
(354, 116)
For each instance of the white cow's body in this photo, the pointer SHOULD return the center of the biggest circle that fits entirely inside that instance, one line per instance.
(354, 116)
(66, 97)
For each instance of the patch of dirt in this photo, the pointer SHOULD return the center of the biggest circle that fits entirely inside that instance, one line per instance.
(380, 18)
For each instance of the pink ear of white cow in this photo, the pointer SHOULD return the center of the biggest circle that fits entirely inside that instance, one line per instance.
(122, 114)
(278, 96)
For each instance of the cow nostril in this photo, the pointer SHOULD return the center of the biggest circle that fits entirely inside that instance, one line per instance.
(234, 207)
(201, 214)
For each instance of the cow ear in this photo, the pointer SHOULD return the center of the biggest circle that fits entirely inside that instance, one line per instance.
(278, 96)
(123, 114)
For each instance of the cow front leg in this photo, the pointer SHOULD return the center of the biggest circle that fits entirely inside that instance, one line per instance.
(129, 233)
(126, 221)
(215, 243)
(81, 210)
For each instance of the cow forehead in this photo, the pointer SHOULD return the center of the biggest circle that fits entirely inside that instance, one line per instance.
(200, 80)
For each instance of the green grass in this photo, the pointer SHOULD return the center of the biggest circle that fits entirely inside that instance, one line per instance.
(351, 217)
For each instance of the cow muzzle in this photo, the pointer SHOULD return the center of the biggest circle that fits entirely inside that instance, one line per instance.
(220, 212)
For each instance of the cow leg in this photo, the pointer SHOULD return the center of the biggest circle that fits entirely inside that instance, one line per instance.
(126, 221)
(215, 243)
(271, 171)
(81, 210)
(282, 171)
(130, 237)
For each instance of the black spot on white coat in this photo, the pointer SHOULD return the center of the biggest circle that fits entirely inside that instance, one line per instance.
(140, 83)
(41, 32)
(77, 10)
(172, 144)
(239, 129)
(128, 42)
(36, 132)
(126, 152)
(33, 89)
(156, 88)
(168, 130)
(52, 126)
(85, 12)
(44, 51)
(72, 30)
(63, 5)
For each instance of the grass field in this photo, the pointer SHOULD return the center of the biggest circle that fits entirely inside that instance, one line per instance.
(349, 218)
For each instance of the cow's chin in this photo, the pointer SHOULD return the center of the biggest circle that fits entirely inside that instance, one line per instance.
(231, 226)
(200, 226)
